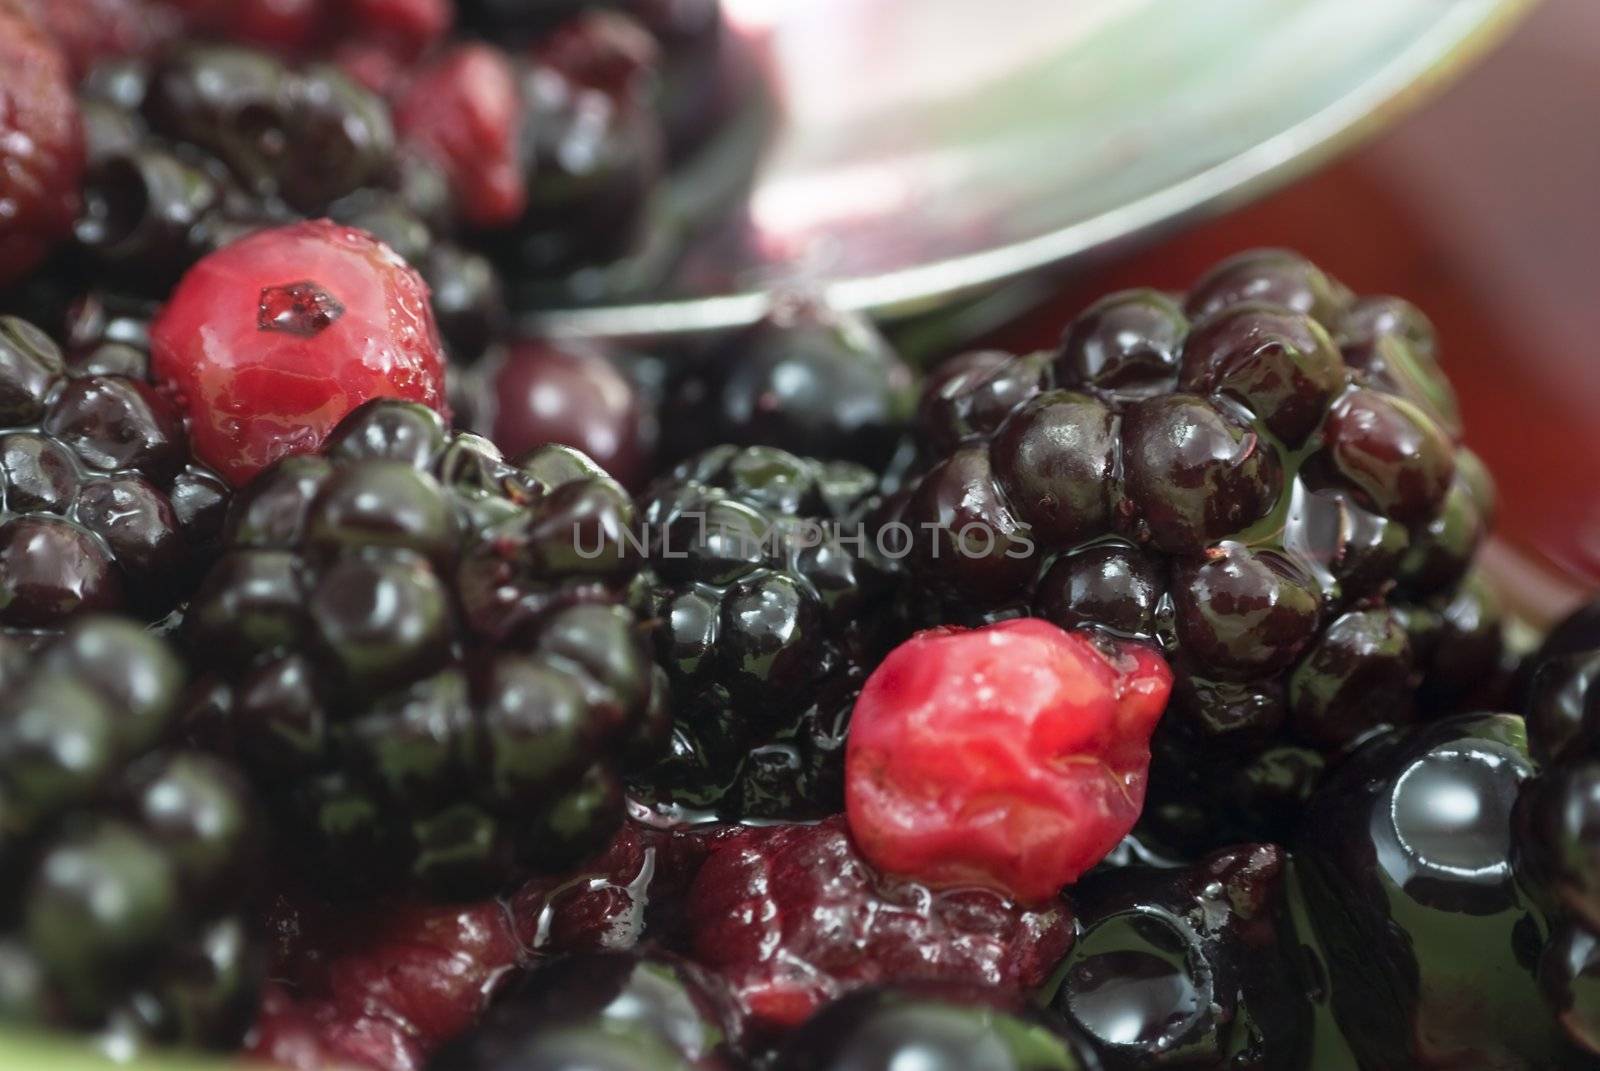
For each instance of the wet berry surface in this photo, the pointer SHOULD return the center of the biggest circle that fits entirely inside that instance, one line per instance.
(389, 682)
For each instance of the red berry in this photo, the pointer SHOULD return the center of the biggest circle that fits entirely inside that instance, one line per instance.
(41, 144)
(270, 341)
(1012, 756)
(570, 394)
(793, 917)
(464, 112)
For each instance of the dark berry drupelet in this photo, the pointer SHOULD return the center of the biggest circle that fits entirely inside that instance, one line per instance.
(1558, 818)
(126, 866)
(806, 379)
(1429, 943)
(1195, 967)
(768, 613)
(1263, 478)
(103, 507)
(934, 1027)
(616, 1011)
(423, 652)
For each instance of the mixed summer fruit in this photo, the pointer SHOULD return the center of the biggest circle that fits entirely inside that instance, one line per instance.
(382, 687)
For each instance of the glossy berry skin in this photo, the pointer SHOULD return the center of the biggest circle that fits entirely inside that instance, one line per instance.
(272, 340)
(1192, 967)
(104, 509)
(570, 393)
(43, 134)
(805, 379)
(937, 1028)
(464, 110)
(423, 652)
(128, 867)
(1012, 756)
(768, 617)
(1558, 818)
(616, 1012)
(793, 917)
(385, 985)
(1404, 858)
(1265, 479)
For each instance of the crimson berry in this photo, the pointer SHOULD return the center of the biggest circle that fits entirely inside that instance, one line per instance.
(41, 144)
(464, 112)
(792, 917)
(270, 341)
(1012, 756)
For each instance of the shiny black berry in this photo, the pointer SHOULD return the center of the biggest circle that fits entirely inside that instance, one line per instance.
(103, 508)
(1405, 857)
(308, 137)
(1194, 967)
(804, 379)
(1557, 830)
(1237, 477)
(769, 612)
(603, 1012)
(423, 653)
(128, 866)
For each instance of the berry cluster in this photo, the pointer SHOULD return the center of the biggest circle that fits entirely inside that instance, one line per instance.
(127, 866)
(423, 653)
(1265, 479)
(104, 508)
(768, 617)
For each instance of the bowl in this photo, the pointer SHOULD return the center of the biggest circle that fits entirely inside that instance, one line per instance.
(931, 151)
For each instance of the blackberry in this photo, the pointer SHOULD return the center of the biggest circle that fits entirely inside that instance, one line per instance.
(305, 138)
(104, 508)
(1192, 967)
(424, 655)
(1558, 818)
(1265, 480)
(768, 616)
(616, 1011)
(123, 913)
(935, 1027)
(1429, 943)
(806, 379)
